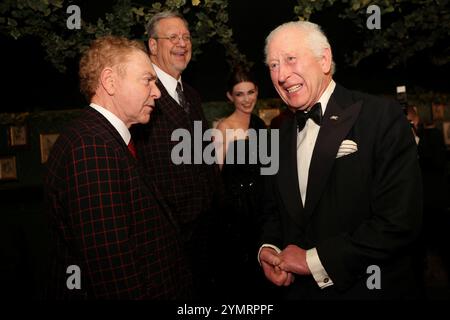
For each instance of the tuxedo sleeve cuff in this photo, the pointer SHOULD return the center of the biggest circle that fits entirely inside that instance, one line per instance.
(266, 245)
(317, 270)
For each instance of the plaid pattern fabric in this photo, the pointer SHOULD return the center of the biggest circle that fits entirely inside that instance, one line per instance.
(188, 188)
(105, 219)
(192, 191)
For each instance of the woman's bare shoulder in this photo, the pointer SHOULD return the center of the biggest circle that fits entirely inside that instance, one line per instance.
(224, 124)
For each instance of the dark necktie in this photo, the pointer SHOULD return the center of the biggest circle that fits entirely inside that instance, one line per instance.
(132, 149)
(315, 114)
(182, 98)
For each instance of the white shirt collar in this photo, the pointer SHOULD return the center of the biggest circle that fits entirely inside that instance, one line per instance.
(169, 82)
(325, 97)
(118, 124)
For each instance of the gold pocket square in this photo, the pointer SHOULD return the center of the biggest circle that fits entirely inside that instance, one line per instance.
(347, 147)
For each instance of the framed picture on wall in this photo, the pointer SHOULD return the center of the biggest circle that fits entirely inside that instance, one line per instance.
(17, 135)
(446, 132)
(47, 140)
(8, 169)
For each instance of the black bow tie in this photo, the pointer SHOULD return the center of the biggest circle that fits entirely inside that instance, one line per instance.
(315, 114)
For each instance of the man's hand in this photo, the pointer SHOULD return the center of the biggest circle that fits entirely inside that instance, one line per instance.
(293, 259)
(270, 262)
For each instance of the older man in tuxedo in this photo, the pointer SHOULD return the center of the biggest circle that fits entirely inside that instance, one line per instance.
(107, 223)
(344, 210)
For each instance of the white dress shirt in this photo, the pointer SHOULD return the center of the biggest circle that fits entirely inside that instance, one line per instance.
(169, 82)
(306, 141)
(118, 124)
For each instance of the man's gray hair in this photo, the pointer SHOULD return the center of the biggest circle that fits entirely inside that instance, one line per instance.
(314, 36)
(153, 23)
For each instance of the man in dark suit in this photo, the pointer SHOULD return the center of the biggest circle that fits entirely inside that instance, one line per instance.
(344, 209)
(188, 188)
(111, 237)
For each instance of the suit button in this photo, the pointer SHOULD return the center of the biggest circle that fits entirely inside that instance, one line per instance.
(326, 280)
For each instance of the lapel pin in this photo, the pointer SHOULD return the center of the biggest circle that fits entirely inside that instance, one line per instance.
(334, 117)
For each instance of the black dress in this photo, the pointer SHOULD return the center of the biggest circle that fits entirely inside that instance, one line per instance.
(241, 277)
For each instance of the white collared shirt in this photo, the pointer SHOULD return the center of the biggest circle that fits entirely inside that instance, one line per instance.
(118, 124)
(306, 140)
(169, 82)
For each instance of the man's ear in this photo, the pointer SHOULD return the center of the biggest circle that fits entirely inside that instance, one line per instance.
(152, 46)
(107, 79)
(325, 60)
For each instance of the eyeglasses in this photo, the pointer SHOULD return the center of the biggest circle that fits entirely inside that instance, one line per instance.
(174, 38)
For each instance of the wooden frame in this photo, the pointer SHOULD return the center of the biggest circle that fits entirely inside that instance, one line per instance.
(8, 170)
(18, 135)
(446, 132)
(46, 141)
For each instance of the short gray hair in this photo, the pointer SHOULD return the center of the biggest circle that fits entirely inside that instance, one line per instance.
(315, 38)
(153, 23)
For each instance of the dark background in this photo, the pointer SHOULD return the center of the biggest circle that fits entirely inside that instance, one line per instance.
(30, 83)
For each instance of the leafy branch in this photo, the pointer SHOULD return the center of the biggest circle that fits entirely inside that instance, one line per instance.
(46, 20)
(408, 28)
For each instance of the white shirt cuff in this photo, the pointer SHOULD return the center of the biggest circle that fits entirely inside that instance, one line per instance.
(266, 245)
(317, 269)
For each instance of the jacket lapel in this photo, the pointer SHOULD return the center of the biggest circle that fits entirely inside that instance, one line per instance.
(287, 178)
(338, 121)
(167, 105)
(151, 186)
(102, 121)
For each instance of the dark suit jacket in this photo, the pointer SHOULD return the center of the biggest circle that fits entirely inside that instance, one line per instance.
(188, 189)
(108, 221)
(361, 209)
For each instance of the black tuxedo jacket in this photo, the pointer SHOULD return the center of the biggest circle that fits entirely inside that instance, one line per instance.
(108, 221)
(361, 209)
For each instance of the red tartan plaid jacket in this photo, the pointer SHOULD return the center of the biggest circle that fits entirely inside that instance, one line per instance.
(106, 219)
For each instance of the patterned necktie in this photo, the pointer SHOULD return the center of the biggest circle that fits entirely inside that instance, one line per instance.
(182, 98)
(315, 114)
(132, 149)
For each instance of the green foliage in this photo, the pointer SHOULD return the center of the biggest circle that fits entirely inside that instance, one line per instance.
(408, 28)
(46, 20)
